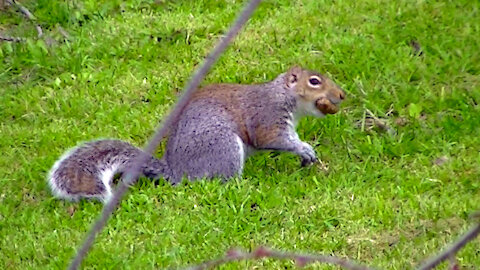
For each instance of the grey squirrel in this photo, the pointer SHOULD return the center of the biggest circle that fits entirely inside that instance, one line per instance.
(217, 129)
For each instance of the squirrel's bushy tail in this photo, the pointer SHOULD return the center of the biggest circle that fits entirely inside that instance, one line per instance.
(88, 170)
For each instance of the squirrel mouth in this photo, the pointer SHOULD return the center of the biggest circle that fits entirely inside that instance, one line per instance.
(324, 105)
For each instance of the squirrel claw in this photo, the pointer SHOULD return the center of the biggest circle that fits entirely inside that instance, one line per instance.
(307, 154)
(307, 162)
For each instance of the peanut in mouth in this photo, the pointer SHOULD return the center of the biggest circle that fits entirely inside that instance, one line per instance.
(324, 105)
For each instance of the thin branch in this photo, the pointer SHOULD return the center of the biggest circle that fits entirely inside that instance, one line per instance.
(27, 14)
(11, 39)
(39, 31)
(132, 175)
(453, 249)
(64, 33)
(263, 252)
(22, 9)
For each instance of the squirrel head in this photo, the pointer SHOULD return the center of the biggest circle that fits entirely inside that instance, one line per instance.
(316, 94)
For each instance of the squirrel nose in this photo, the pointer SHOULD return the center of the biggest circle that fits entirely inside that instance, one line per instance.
(336, 97)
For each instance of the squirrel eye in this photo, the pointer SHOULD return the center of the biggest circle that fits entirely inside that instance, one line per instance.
(314, 81)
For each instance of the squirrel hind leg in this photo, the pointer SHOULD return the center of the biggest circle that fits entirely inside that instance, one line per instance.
(223, 159)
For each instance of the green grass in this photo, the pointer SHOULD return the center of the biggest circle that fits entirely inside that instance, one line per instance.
(383, 201)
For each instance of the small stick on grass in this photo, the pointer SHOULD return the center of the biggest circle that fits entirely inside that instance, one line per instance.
(11, 39)
(64, 33)
(27, 14)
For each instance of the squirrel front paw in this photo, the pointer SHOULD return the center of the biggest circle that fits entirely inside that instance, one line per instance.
(307, 154)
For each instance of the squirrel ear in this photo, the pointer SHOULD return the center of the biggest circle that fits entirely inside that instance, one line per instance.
(292, 76)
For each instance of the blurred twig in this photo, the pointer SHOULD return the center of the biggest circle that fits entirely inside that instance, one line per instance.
(451, 251)
(263, 252)
(304, 259)
(132, 174)
(11, 39)
(28, 15)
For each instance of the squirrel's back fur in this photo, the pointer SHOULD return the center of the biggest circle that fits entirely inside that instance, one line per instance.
(210, 138)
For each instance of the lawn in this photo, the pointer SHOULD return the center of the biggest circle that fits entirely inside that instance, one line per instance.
(393, 195)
